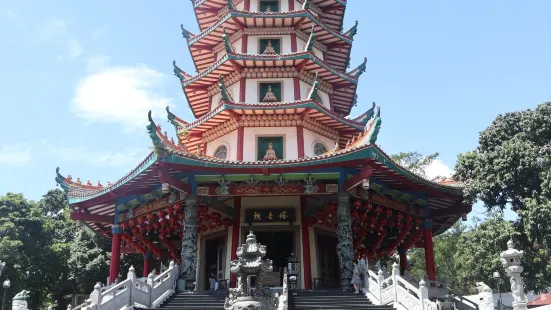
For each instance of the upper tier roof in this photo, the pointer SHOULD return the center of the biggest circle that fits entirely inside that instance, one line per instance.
(331, 12)
(236, 23)
(228, 115)
(196, 88)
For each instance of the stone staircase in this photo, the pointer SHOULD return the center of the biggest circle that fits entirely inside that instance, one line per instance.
(195, 301)
(331, 299)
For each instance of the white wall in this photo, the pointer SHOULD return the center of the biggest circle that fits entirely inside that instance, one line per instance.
(305, 90)
(289, 134)
(301, 44)
(310, 138)
(230, 140)
(252, 43)
(288, 89)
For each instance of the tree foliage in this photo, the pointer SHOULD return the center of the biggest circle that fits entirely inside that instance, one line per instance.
(414, 161)
(512, 167)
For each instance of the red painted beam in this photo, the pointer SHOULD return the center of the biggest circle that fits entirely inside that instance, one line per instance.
(165, 177)
(364, 174)
(458, 210)
(92, 218)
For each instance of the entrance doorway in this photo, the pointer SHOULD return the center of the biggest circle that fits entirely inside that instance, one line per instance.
(215, 258)
(328, 262)
(279, 247)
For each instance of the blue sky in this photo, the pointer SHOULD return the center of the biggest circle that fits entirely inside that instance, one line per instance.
(78, 78)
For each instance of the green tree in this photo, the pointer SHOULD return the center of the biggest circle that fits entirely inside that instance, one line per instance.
(512, 167)
(414, 161)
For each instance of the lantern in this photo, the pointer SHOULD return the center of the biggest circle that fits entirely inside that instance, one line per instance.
(368, 207)
(388, 213)
(177, 207)
(160, 214)
(293, 266)
(168, 210)
(378, 210)
(357, 204)
(124, 225)
(132, 223)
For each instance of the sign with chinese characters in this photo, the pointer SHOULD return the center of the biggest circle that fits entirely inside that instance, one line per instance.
(270, 215)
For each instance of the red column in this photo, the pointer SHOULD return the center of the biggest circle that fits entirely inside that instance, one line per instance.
(291, 5)
(146, 265)
(115, 253)
(429, 251)
(242, 89)
(296, 84)
(293, 42)
(244, 43)
(247, 5)
(300, 141)
(240, 133)
(403, 260)
(236, 227)
(305, 244)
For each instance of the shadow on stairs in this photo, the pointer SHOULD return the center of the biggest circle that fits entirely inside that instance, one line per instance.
(331, 299)
(195, 301)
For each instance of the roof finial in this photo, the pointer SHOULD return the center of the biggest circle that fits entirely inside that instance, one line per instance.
(226, 40)
(223, 91)
(186, 34)
(313, 95)
(352, 32)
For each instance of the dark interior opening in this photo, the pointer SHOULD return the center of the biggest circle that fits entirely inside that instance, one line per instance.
(211, 259)
(279, 247)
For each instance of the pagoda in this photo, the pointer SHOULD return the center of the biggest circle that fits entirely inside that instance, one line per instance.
(272, 149)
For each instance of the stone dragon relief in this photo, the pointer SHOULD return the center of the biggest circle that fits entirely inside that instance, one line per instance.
(189, 241)
(345, 250)
(250, 263)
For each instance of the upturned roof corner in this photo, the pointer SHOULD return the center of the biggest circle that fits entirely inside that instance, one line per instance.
(186, 34)
(226, 39)
(352, 32)
(359, 70)
(223, 91)
(311, 40)
(182, 75)
(153, 130)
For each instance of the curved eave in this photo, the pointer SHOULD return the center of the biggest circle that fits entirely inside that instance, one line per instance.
(235, 20)
(207, 11)
(77, 194)
(350, 157)
(196, 88)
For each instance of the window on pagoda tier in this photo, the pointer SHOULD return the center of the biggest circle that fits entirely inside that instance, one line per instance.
(221, 152)
(269, 91)
(269, 148)
(268, 6)
(319, 148)
(269, 46)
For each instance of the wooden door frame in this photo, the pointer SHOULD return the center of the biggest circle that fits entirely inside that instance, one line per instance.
(318, 231)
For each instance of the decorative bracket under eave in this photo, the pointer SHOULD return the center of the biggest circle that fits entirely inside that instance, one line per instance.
(311, 40)
(352, 32)
(217, 205)
(223, 90)
(313, 95)
(226, 39)
(230, 5)
(186, 34)
(359, 178)
(359, 70)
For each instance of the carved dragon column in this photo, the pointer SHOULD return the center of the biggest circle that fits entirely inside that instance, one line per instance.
(345, 250)
(189, 243)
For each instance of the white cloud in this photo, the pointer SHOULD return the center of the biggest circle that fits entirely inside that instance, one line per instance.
(97, 63)
(74, 48)
(55, 31)
(438, 169)
(126, 158)
(120, 95)
(15, 155)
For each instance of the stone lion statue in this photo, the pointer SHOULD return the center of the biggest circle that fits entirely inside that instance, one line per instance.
(482, 287)
(485, 296)
(19, 301)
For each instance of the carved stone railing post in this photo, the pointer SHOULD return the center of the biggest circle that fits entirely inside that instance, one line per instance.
(189, 242)
(380, 280)
(151, 281)
(395, 275)
(345, 250)
(423, 293)
(510, 259)
(132, 277)
(95, 297)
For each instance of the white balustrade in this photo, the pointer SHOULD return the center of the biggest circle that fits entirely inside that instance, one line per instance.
(398, 291)
(133, 292)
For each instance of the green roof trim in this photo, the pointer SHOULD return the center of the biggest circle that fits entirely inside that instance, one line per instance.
(271, 177)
